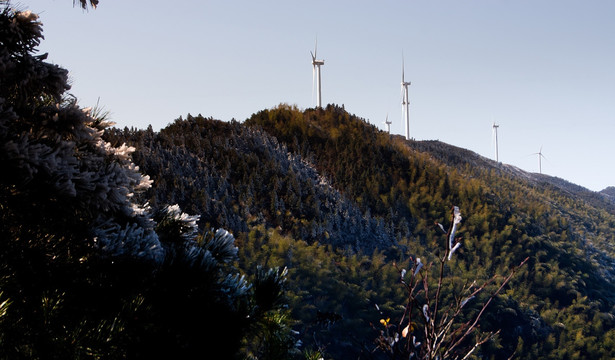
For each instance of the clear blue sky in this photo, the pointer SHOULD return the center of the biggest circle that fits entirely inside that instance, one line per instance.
(543, 70)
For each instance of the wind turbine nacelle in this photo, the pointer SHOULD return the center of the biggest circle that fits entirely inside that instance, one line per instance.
(318, 62)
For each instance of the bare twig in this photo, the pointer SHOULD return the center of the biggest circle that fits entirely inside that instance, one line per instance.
(441, 331)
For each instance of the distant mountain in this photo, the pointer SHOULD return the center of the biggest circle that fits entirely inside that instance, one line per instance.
(338, 201)
(454, 156)
(609, 192)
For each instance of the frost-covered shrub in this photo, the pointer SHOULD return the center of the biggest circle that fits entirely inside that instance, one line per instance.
(57, 172)
(86, 269)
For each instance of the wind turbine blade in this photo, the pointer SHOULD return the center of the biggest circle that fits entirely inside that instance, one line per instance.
(402, 67)
(315, 47)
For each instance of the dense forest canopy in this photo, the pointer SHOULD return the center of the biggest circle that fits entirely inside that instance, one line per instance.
(288, 235)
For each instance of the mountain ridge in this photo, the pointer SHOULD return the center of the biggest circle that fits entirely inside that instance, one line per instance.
(398, 189)
(571, 188)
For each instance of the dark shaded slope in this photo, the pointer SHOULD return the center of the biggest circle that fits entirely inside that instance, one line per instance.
(236, 177)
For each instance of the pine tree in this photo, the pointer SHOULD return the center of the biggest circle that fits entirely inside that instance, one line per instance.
(86, 270)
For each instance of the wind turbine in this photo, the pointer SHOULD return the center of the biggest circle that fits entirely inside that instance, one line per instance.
(388, 124)
(404, 99)
(495, 133)
(316, 72)
(540, 156)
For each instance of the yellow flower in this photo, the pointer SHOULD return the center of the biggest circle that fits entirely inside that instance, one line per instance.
(385, 322)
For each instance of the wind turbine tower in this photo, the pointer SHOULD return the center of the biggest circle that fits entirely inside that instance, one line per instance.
(316, 72)
(540, 156)
(388, 124)
(404, 100)
(495, 133)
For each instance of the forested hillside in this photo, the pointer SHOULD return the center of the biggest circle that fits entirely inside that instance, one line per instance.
(235, 176)
(338, 202)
